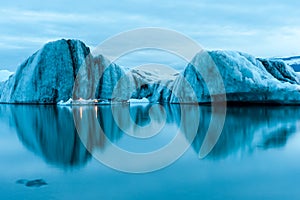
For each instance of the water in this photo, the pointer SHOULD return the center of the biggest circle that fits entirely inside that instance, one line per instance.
(256, 156)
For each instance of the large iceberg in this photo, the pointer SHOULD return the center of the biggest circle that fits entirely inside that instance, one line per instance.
(65, 69)
(48, 76)
(245, 79)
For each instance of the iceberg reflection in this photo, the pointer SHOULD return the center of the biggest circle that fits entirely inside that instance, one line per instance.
(47, 131)
(247, 129)
(50, 132)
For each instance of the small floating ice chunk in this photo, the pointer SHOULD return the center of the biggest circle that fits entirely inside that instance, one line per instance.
(67, 103)
(138, 101)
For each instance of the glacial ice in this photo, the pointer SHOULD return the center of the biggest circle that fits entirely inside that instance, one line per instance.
(138, 101)
(49, 76)
(4, 75)
(294, 62)
(245, 78)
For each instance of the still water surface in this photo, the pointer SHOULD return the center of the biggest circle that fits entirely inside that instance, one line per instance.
(256, 156)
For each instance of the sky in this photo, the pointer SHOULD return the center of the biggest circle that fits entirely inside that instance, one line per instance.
(269, 28)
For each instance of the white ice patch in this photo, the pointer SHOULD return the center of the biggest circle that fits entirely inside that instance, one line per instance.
(295, 61)
(138, 101)
(66, 103)
(4, 75)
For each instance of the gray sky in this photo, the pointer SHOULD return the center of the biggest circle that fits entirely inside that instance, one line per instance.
(263, 28)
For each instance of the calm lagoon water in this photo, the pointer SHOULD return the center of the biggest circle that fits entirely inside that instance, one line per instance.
(256, 156)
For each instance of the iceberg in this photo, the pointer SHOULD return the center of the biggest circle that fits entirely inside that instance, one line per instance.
(152, 82)
(246, 79)
(48, 76)
(65, 69)
(138, 101)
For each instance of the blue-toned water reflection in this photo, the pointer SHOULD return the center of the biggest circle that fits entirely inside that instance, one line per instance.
(49, 131)
(260, 137)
